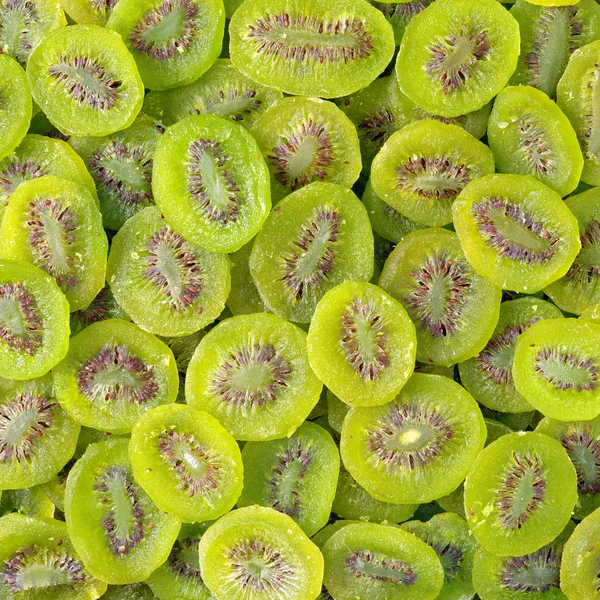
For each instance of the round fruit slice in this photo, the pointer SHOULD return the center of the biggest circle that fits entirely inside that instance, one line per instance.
(89, 12)
(516, 231)
(361, 344)
(85, 80)
(211, 182)
(243, 297)
(34, 321)
(310, 48)
(187, 462)
(103, 306)
(251, 372)
(259, 553)
(418, 447)
(456, 56)
(113, 374)
(556, 368)
(520, 493)
(119, 533)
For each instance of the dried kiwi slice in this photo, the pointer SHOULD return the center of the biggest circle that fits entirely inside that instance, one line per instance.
(38, 561)
(103, 306)
(114, 526)
(311, 48)
(55, 224)
(520, 493)
(187, 462)
(31, 502)
(211, 182)
(361, 344)
(295, 476)
(113, 374)
(556, 367)
(172, 41)
(89, 12)
(423, 167)
(418, 447)
(167, 285)
(398, 14)
(454, 310)
(251, 372)
(515, 231)
(85, 80)
(317, 238)
(34, 321)
(456, 56)
(243, 297)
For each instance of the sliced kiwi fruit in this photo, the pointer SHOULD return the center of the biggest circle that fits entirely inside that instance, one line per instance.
(243, 297)
(32, 502)
(520, 493)
(133, 591)
(89, 12)
(399, 14)
(454, 309)
(418, 447)
(591, 313)
(251, 372)
(336, 412)
(102, 307)
(259, 553)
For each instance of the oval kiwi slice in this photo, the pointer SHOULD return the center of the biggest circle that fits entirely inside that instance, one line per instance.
(211, 182)
(119, 533)
(520, 493)
(103, 306)
(85, 80)
(311, 49)
(251, 372)
(419, 446)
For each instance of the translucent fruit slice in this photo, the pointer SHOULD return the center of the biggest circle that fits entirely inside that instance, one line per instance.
(89, 12)
(243, 297)
(103, 306)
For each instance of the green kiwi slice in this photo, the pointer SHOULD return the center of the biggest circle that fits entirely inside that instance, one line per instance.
(366, 560)
(455, 57)
(113, 374)
(32, 502)
(399, 14)
(530, 135)
(251, 372)
(187, 462)
(488, 376)
(119, 533)
(520, 493)
(85, 80)
(133, 591)
(316, 238)
(319, 50)
(103, 306)
(211, 182)
(336, 412)
(34, 321)
(38, 561)
(89, 12)
(591, 313)
(54, 223)
(418, 447)
(454, 309)
(305, 140)
(423, 167)
(361, 344)
(243, 297)
(296, 476)
(167, 285)
(516, 231)
(555, 368)
(259, 553)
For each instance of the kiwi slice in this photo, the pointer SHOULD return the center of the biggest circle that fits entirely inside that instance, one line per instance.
(488, 376)
(455, 57)
(336, 412)
(113, 374)
(555, 368)
(54, 223)
(85, 80)
(211, 182)
(166, 284)
(259, 553)
(319, 50)
(454, 309)
(361, 344)
(530, 135)
(423, 167)
(315, 239)
(520, 493)
(89, 12)
(296, 476)
(591, 313)
(133, 591)
(103, 306)
(119, 533)
(252, 373)
(39, 561)
(516, 231)
(187, 462)
(418, 447)
(32, 502)
(399, 14)
(366, 560)
(243, 297)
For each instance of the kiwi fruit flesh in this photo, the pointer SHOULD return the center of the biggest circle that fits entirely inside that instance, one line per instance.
(243, 297)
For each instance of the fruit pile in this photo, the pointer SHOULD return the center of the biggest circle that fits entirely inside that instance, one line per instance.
(299, 299)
